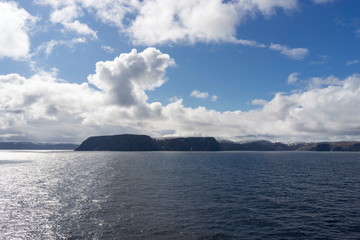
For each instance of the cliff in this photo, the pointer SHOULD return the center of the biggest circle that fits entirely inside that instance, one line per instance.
(189, 144)
(129, 142)
(125, 142)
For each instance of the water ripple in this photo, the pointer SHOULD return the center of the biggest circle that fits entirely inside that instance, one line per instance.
(173, 195)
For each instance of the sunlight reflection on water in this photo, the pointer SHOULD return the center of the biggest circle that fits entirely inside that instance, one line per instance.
(62, 195)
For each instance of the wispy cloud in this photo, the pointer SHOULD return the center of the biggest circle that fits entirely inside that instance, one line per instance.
(107, 49)
(49, 46)
(198, 94)
(352, 62)
(322, 1)
(250, 43)
(203, 95)
(214, 98)
(293, 77)
(357, 32)
(67, 14)
(293, 53)
(322, 60)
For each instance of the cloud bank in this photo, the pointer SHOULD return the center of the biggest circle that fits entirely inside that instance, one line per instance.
(167, 22)
(114, 100)
(153, 22)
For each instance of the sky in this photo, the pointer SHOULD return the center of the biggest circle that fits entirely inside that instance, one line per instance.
(278, 70)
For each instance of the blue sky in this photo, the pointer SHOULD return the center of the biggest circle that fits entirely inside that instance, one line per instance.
(283, 70)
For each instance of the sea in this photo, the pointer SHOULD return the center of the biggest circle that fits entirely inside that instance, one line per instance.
(179, 195)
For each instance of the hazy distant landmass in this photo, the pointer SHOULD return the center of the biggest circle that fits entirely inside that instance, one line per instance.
(36, 146)
(130, 142)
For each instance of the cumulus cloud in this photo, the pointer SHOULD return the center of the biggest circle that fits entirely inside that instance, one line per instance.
(15, 24)
(46, 108)
(28, 106)
(293, 53)
(128, 76)
(161, 21)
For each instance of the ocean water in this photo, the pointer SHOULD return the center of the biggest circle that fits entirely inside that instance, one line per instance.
(179, 195)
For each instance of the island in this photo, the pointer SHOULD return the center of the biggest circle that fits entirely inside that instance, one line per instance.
(132, 142)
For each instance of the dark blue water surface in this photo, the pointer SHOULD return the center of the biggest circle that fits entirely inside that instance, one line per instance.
(179, 195)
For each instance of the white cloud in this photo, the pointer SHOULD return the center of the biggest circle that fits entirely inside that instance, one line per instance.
(198, 94)
(15, 24)
(128, 77)
(46, 108)
(163, 21)
(112, 11)
(80, 28)
(107, 49)
(260, 102)
(203, 95)
(249, 43)
(153, 22)
(293, 77)
(174, 99)
(29, 106)
(293, 53)
(67, 13)
(352, 62)
(319, 82)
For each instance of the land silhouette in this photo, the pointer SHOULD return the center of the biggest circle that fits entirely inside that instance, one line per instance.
(131, 142)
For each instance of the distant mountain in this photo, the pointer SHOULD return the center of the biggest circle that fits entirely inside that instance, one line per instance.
(37, 146)
(261, 145)
(331, 146)
(130, 142)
